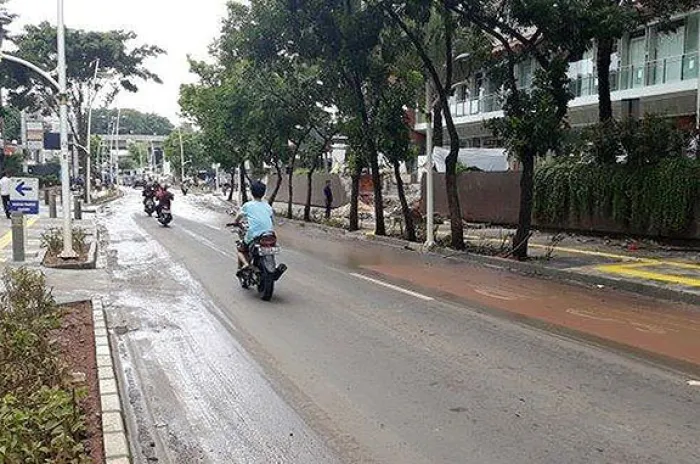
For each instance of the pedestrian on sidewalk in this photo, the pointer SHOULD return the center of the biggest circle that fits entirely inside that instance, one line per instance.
(328, 193)
(5, 186)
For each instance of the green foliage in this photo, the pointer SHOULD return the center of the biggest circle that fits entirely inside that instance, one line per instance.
(40, 419)
(52, 240)
(28, 314)
(195, 153)
(639, 142)
(44, 427)
(13, 123)
(461, 168)
(130, 122)
(655, 199)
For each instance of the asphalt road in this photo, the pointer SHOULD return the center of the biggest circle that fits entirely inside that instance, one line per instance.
(343, 367)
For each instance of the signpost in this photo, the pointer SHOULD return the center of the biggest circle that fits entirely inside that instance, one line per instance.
(24, 195)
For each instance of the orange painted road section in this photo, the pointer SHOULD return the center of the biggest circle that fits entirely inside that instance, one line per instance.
(663, 328)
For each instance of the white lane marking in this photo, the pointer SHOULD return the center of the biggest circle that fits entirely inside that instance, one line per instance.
(694, 383)
(208, 243)
(393, 287)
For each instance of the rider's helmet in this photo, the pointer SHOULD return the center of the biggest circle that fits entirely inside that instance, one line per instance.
(257, 189)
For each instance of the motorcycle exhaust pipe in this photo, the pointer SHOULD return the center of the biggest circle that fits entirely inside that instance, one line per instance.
(281, 269)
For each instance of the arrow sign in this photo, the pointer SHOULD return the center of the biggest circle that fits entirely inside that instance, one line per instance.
(24, 195)
(21, 188)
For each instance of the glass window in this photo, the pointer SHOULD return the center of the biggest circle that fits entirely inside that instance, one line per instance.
(669, 55)
(690, 48)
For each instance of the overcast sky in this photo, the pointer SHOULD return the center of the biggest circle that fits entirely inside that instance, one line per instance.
(179, 27)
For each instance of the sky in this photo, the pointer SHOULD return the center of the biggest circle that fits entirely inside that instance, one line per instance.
(181, 28)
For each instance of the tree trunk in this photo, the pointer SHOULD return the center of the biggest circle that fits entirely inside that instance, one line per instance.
(456, 226)
(230, 191)
(278, 182)
(605, 48)
(520, 241)
(290, 190)
(355, 198)
(438, 137)
(244, 192)
(379, 227)
(309, 185)
(410, 229)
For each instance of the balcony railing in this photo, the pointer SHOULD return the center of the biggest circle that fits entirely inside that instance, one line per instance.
(656, 72)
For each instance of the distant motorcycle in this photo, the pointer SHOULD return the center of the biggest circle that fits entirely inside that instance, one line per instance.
(263, 271)
(149, 206)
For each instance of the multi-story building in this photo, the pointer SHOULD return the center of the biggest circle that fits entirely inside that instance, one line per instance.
(653, 70)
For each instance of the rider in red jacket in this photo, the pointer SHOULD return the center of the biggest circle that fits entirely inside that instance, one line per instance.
(165, 198)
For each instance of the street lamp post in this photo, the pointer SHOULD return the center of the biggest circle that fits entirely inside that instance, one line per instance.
(182, 157)
(429, 190)
(68, 252)
(88, 174)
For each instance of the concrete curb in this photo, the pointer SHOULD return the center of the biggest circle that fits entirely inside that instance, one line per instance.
(116, 445)
(520, 267)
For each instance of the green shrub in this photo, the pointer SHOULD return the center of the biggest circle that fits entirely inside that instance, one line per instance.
(52, 240)
(27, 355)
(45, 427)
(656, 198)
(40, 418)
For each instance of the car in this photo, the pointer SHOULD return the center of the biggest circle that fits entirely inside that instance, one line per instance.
(139, 183)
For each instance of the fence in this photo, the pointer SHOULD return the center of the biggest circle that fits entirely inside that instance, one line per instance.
(494, 197)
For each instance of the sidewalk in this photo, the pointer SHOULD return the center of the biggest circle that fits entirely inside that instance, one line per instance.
(36, 225)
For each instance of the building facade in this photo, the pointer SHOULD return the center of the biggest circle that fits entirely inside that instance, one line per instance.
(653, 70)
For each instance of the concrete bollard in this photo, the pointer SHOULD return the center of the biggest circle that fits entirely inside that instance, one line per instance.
(18, 237)
(78, 208)
(52, 205)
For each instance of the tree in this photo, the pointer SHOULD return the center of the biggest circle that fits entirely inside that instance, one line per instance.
(433, 30)
(130, 122)
(324, 129)
(551, 34)
(220, 104)
(343, 37)
(121, 68)
(138, 154)
(196, 156)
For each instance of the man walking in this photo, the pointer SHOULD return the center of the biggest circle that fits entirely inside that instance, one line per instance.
(328, 193)
(5, 186)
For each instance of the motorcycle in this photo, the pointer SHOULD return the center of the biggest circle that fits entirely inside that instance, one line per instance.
(263, 271)
(165, 217)
(149, 206)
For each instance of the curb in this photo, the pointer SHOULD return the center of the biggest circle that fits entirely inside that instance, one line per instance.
(521, 267)
(116, 445)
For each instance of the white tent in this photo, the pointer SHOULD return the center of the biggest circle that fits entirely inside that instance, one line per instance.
(486, 159)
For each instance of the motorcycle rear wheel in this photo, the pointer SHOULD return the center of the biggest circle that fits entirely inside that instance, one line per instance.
(266, 287)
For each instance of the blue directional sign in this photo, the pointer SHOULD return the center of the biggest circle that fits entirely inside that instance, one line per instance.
(24, 195)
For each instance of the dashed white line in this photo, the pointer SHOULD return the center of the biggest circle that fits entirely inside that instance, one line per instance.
(393, 287)
(694, 383)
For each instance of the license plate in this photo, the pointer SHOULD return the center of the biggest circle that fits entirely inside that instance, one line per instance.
(267, 251)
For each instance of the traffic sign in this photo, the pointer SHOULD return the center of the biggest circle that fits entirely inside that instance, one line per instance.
(24, 195)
